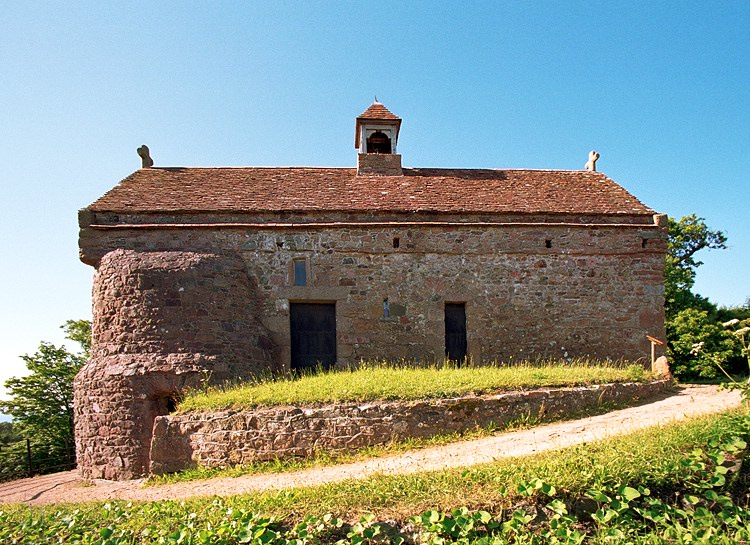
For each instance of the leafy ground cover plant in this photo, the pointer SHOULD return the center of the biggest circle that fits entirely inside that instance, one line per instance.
(385, 381)
(679, 484)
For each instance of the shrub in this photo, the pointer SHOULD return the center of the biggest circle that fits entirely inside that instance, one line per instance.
(698, 345)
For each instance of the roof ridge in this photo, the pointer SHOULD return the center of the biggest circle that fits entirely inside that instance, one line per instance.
(265, 167)
(503, 169)
(300, 167)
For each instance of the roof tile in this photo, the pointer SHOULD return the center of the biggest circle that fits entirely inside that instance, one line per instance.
(378, 111)
(299, 189)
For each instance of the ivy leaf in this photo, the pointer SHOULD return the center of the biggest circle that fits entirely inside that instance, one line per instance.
(549, 489)
(599, 496)
(629, 493)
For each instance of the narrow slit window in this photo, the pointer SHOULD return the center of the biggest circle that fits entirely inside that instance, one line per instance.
(396, 242)
(644, 242)
(386, 308)
(300, 272)
(548, 243)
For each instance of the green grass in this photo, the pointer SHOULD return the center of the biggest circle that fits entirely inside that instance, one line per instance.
(650, 458)
(387, 382)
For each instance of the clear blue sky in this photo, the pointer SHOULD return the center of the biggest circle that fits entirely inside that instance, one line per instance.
(660, 89)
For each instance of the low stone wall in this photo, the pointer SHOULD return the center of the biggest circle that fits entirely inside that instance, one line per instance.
(224, 438)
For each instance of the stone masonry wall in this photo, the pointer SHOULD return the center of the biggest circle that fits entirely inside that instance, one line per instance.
(163, 321)
(379, 164)
(557, 290)
(175, 304)
(225, 438)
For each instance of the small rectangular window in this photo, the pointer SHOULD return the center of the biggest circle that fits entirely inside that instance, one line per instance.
(300, 272)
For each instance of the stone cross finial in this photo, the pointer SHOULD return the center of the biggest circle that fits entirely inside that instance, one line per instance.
(591, 165)
(143, 153)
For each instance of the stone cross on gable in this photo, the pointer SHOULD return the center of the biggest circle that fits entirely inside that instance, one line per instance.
(591, 164)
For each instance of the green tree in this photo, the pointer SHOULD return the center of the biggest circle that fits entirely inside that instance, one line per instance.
(80, 332)
(7, 435)
(699, 345)
(687, 237)
(41, 402)
(697, 342)
(725, 314)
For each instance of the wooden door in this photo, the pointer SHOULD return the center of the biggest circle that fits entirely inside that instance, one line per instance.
(313, 335)
(455, 332)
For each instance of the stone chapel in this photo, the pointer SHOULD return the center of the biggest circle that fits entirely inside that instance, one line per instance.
(218, 274)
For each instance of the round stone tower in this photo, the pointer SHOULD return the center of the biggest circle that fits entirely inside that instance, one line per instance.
(163, 322)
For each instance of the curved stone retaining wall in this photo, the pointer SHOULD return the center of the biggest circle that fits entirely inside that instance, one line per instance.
(224, 438)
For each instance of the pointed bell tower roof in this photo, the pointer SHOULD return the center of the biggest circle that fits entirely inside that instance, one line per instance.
(378, 113)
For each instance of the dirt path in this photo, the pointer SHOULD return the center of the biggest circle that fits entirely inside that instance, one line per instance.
(693, 400)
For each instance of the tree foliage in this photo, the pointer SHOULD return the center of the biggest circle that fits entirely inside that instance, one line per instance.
(79, 331)
(700, 346)
(698, 341)
(7, 434)
(687, 237)
(41, 402)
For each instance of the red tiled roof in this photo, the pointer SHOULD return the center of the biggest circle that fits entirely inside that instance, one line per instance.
(298, 189)
(378, 111)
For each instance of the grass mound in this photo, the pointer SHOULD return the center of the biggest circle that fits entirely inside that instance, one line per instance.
(387, 382)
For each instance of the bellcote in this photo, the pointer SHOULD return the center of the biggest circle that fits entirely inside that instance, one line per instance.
(376, 138)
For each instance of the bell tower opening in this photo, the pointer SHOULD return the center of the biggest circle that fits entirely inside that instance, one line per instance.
(378, 142)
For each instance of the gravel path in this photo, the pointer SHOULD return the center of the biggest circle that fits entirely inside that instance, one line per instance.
(692, 400)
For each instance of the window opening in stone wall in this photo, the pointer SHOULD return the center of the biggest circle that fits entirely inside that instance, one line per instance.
(158, 404)
(300, 272)
(644, 242)
(378, 142)
(171, 404)
(548, 243)
(386, 308)
(162, 404)
(396, 242)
